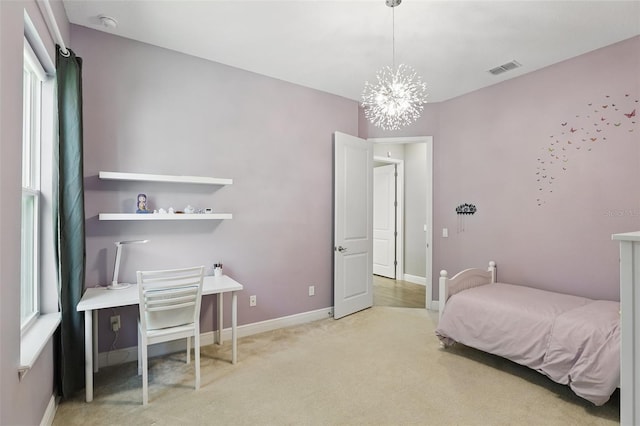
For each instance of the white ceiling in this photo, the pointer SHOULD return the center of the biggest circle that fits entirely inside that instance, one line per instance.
(335, 46)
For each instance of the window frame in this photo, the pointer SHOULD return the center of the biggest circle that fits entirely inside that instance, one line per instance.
(35, 336)
(30, 271)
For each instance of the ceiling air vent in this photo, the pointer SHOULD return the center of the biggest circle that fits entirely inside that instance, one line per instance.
(505, 67)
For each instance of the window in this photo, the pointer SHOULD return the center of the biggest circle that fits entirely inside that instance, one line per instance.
(33, 77)
(39, 310)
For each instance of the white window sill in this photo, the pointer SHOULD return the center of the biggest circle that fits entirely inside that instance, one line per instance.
(34, 340)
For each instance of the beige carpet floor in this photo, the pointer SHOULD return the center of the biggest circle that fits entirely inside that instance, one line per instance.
(382, 366)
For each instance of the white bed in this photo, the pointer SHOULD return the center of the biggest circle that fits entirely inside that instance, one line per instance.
(573, 340)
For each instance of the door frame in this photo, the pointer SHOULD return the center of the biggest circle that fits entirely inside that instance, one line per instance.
(399, 211)
(428, 140)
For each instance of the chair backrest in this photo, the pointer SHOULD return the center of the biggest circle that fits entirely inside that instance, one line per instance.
(170, 298)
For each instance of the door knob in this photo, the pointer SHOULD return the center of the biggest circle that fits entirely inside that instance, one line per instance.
(341, 249)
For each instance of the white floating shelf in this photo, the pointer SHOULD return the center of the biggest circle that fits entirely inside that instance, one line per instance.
(164, 216)
(142, 177)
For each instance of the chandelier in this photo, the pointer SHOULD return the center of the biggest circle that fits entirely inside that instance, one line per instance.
(397, 98)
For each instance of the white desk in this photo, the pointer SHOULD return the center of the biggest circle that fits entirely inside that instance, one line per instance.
(97, 298)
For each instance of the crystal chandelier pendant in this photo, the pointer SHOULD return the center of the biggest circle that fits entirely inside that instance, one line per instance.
(396, 100)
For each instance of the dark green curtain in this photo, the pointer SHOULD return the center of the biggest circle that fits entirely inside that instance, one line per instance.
(69, 219)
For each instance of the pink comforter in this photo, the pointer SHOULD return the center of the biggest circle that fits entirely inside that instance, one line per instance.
(573, 340)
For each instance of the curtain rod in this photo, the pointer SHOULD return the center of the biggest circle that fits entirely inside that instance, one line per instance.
(54, 30)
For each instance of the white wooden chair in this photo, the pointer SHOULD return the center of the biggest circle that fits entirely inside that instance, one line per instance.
(169, 310)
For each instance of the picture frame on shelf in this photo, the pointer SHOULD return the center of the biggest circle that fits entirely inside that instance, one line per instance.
(141, 204)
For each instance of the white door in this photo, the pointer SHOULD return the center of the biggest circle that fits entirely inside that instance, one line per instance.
(353, 217)
(384, 221)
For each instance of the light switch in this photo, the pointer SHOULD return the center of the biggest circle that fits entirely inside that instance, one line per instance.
(424, 228)
(445, 233)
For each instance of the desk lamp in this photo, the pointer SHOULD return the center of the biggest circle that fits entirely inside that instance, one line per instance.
(115, 285)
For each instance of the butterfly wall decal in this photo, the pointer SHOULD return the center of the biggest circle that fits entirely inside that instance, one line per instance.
(589, 125)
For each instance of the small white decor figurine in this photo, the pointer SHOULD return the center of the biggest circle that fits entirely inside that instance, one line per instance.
(189, 210)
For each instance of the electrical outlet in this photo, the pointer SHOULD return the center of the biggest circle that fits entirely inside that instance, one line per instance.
(312, 290)
(115, 323)
(253, 301)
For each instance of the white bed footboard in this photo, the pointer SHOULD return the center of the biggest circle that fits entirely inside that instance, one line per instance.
(463, 280)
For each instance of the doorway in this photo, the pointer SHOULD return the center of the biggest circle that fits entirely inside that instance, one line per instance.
(388, 215)
(414, 212)
(398, 293)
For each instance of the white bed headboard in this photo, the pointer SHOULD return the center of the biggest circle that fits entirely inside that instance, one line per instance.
(464, 280)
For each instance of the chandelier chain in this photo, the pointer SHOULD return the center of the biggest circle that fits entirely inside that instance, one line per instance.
(393, 32)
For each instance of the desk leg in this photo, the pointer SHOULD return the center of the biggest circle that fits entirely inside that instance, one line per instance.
(220, 298)
(96, 364)
(88, 355)
(234, 325)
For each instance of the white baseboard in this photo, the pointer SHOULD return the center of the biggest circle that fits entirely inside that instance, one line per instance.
(120, 356)
(50, 412)
(274, 324)
(434, 305)
(415, 279)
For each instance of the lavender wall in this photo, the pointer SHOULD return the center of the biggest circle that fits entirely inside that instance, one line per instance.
(489, 149)
(152, 110)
